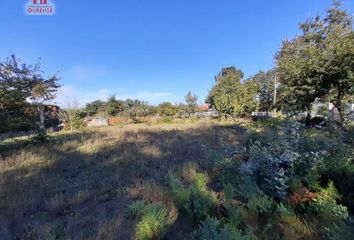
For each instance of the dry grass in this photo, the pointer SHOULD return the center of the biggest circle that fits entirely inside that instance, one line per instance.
(78, 185)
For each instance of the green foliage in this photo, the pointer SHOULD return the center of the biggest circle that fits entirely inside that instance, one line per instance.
(326, 207)
(180, 194)
(284, 210)
(246, 187)
(73, 117)
(319, 63)
(94, 107)
(211, 228)
(214, 229)
(153, 223)
(268, 172)
(231, 97)
(19, 82)
(229, 192)
(331, 215)
(137, 208)
(166, 119)
(202, 203)
(195, 199)
(166, 109)
(200, 182)
(114, 107)
(265, 89)
(261, 204)
(280, 170)
(202, 200)
(191, 103)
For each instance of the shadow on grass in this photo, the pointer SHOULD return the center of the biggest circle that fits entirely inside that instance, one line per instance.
(78, 185)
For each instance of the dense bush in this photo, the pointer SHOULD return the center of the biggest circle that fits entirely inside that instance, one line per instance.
(153, 220)
(282, 188)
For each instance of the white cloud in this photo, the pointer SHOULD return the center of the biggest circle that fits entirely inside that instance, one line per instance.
(68, 94)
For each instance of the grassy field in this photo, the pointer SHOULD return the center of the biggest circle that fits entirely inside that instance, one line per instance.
(276, 179)
(78, 185)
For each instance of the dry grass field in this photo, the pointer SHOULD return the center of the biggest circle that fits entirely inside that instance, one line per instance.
(78, 185)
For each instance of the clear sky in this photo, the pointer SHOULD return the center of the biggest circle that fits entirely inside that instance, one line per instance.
(153, 50)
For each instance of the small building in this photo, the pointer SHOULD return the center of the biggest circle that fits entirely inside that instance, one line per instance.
(204, 107)
(95, 121)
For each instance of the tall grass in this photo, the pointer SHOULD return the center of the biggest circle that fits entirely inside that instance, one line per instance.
(79, 184)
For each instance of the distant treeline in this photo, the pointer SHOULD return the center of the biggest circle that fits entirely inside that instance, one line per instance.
(135, 108)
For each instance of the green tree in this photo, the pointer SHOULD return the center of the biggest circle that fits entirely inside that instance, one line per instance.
(246, 99)
(319, 63)
(72, 115)
(18, 83)
(43, 90)
(167, 109)
(265, 89)
(114, 106)
(94, 107)
(191, 103)
(229, 79)
(230, 97)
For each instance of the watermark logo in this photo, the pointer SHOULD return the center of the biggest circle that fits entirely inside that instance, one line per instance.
(40, 7)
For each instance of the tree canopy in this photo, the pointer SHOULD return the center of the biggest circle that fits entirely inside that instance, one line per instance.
(230, 96)
(319, 63)
(21, 85)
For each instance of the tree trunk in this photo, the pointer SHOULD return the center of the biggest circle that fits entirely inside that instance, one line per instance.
(41, 116)
(308, 117)
(340, 114)
(338, 105)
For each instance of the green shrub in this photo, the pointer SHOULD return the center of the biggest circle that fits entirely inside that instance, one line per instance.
(137, 208)
(196, 199)
(200, 182)
(154, 222)
(328, 212)
(260, 204)
(166, 119)
(202, 203)
(326, 207)
(214, 229)
(180, 193)
(211, 228)
(229, 192)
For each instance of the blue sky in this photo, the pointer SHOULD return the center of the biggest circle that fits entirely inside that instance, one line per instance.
(153, 50)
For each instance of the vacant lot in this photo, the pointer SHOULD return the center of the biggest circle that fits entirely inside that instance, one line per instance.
(277, 179)
(78, 185)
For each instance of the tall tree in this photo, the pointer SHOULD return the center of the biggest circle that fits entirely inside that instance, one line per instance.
(319, 63)
(43, 90)
(18, 83)
(264, 82)
(191, 103)
(229, 96)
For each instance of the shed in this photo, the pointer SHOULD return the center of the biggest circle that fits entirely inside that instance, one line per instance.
(96, 121)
